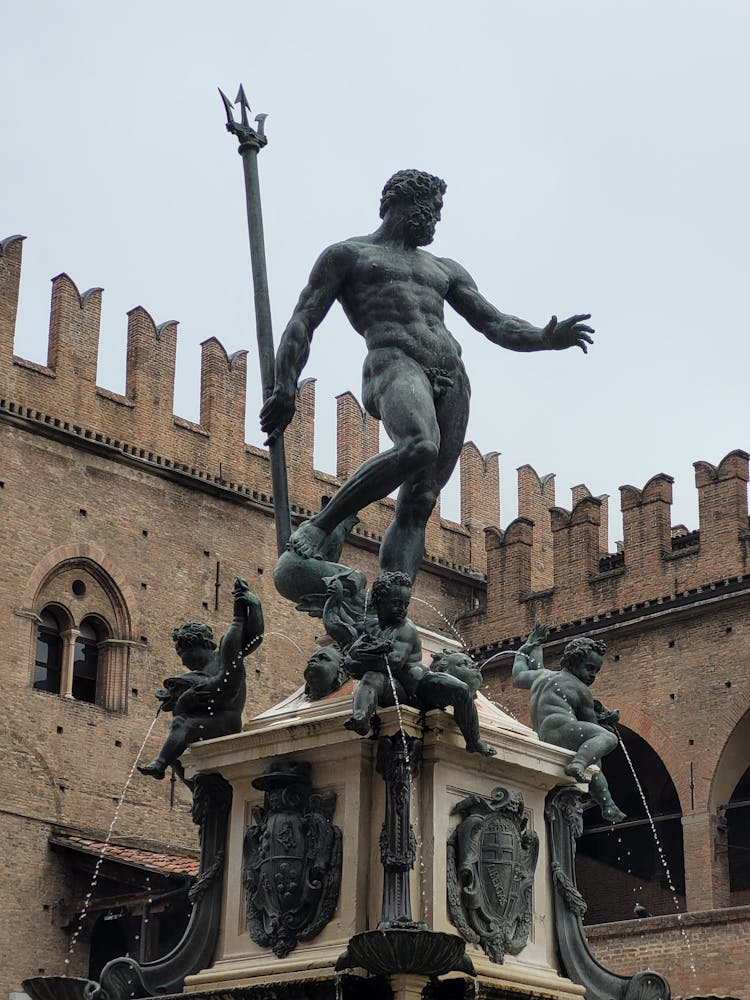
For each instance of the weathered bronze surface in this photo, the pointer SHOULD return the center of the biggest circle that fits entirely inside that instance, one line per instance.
(413, 380)
(292, 859)
(563, 812)
(564, 712)
(251, 141)
(401, 944)
(385, 656)
(492, 858)
(207, 701)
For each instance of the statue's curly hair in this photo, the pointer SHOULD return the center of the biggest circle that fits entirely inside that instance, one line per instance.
(578, 649)
(194, 634)
(410, 185)
(383, 583)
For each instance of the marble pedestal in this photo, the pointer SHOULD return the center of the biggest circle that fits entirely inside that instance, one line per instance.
(344, 763)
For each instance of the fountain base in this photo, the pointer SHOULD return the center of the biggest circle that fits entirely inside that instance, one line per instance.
(415, 950)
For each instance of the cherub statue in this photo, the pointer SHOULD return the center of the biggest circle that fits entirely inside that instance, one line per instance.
(460, 665)
(387, 661)
(207, 701)
(324, 672)
(564, 712)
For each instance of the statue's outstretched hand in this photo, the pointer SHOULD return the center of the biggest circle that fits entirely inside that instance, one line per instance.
(571, 332)
(241, 589)
(276, 414)
(538, 634)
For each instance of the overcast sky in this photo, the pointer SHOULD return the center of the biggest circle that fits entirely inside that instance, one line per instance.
(597, 160)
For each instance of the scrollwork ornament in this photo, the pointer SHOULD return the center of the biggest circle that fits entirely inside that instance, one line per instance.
(492, 858)
(292, 859)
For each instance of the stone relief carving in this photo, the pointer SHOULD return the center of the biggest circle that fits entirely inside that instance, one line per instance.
(492, 858)
(291, 859)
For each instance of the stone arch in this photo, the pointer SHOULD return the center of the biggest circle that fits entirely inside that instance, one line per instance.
(620, 866)
(730, 803)
(653, 732)
(84, 583)
(29, 779)
(732, 761)
(95, 561)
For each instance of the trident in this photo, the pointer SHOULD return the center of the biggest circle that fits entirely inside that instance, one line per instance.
(251, 141)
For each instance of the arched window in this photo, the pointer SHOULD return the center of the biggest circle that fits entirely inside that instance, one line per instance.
(738, 841)
(86, 660)
(620, 866)
(82, 633)
(48, 657)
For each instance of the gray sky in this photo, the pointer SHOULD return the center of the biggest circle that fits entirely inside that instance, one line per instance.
(596, 155)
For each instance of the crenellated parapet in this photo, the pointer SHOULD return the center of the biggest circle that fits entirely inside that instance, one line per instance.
(657, 562)
(722, 508)
(536, 498)
(357, 435)
(11, 249)
(62, 397)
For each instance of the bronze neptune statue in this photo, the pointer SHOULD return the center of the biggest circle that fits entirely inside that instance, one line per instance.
(413, 380)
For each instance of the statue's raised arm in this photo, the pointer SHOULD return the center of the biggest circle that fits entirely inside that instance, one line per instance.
(529, 659)
(207, 701)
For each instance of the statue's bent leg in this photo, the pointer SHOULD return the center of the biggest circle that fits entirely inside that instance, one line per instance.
(402, 396)
(369, 694)
(591, 742)
(174, 747)
(595, 742)
(437, 690)
(600, 793)
(404, 542)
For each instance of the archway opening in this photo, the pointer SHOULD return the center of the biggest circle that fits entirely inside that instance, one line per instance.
(86, 660)
(738, 842)
(48, 655)
(619, 868)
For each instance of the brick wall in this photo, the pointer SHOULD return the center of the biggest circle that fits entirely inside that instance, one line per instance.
(142, 421)
(549, 562)
(715, 943)
(172, 510)
(168, 512)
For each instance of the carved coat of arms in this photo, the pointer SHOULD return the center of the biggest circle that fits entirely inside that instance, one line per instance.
(291, 859)
(491, 862)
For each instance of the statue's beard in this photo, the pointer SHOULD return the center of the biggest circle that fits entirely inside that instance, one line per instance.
(420, 225)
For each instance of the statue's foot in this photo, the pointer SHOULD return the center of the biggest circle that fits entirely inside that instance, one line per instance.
(358, 724)
(576, 770)
(155, 769)
(612, 814)
(481, 747)
(307, 540)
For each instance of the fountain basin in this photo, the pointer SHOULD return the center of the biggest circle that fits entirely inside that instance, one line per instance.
(406, 950)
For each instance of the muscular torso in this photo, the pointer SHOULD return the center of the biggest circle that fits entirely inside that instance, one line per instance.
(406, 659)
(394, 298)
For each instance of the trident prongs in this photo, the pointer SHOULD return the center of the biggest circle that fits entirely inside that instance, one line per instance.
(242, 128)
(244, 106)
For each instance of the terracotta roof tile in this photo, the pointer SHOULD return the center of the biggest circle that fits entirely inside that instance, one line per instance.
(167, 864)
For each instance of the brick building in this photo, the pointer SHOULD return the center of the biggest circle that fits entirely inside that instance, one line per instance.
(120, 520)
(673, 607)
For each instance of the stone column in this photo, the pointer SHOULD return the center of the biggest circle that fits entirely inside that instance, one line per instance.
(706, 862)
(408, 987)
(68, 637)
(397, 763)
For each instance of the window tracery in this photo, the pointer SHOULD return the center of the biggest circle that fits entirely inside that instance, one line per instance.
(81, 635)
